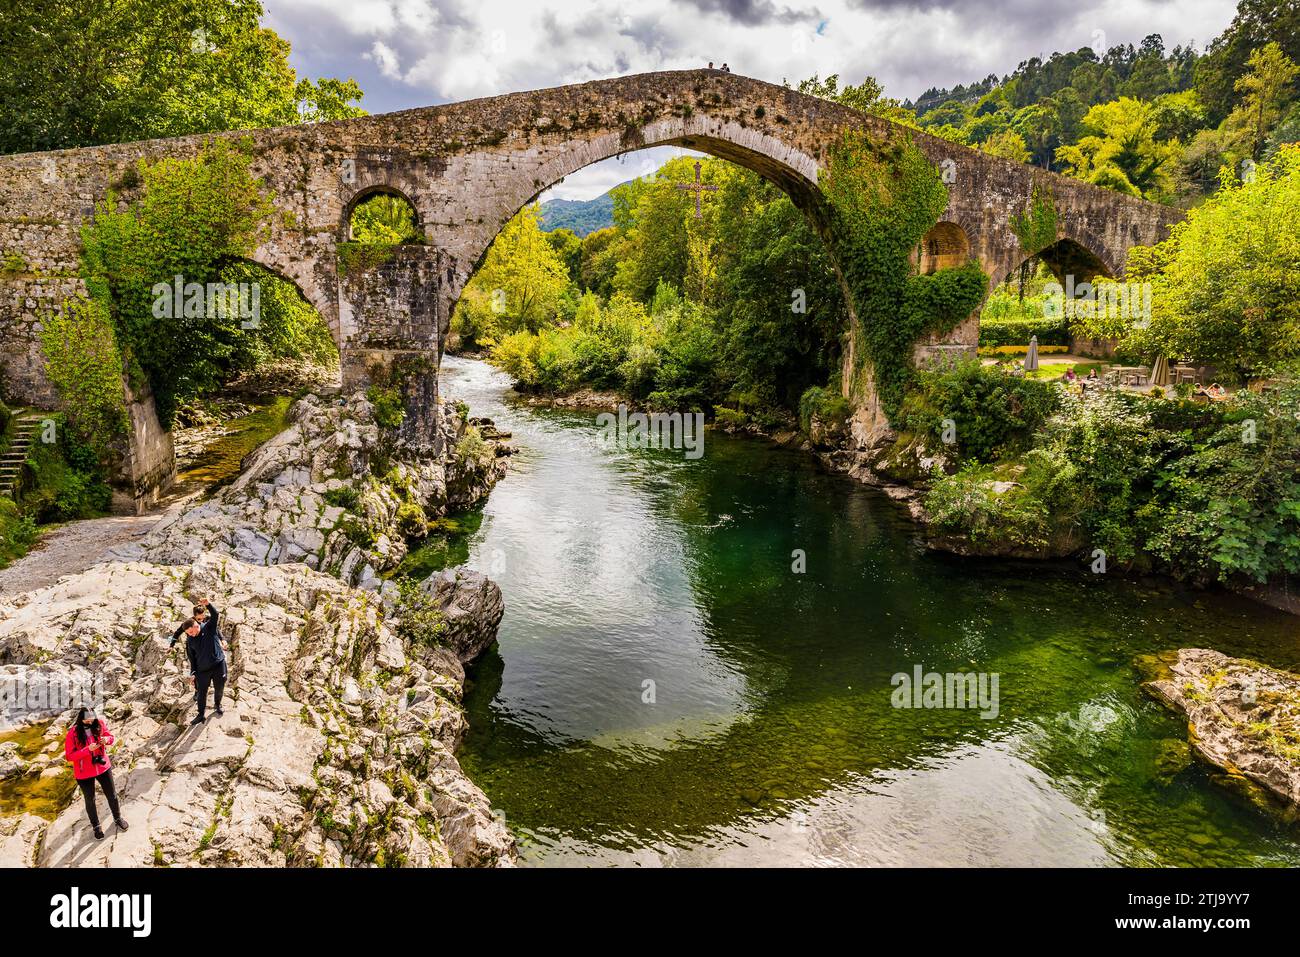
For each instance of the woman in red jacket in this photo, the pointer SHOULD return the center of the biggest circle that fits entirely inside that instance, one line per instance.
(87, 748)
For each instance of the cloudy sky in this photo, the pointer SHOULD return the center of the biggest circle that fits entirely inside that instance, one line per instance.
(408, 53)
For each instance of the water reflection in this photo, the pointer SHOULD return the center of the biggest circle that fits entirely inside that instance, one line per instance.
(770, 737)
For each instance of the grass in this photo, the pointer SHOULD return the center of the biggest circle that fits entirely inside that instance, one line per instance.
(17, 532)
(1058, 369)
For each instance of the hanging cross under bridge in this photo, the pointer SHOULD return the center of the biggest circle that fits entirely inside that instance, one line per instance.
(697, 188)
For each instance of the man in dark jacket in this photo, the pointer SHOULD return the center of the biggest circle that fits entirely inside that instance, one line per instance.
(207, 657)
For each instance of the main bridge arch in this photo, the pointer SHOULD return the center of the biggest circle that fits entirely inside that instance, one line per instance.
(467, 168)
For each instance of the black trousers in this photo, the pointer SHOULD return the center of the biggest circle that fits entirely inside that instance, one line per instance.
(87, 786)
(216, 677)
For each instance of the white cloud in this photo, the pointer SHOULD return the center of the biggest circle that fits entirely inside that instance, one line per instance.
(441, 50)
(386, 59)
(598, 178)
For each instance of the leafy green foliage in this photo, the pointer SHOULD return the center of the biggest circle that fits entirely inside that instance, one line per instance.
(17, 532)
(198, 219)
(1121, 150)
(390, 411)
(823, 404)
(1225, 288)
(1209, 493)
(884, 195)
(994, 414)
(79, 74)
(519, 286)
(419, 619)
(384, 219)
(1230, 506)
(1140, 119)
(288, 325)
(85, 366)
(1051, 331)
(741, 304)
(1035, 228)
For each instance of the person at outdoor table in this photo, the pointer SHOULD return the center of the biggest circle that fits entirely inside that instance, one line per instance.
(1216, 391)
(1071, 376)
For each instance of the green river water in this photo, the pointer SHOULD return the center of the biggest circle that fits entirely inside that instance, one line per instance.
(771, 737)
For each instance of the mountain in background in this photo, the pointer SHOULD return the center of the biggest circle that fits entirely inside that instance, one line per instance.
(583, 216)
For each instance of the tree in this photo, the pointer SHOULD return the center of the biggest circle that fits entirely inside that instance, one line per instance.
(1120, 151)
(1225, 290)
(518, 287)
(1039, 128)
(569, 247)
(867, 97)
(1009, 145)
(1257, 23)
(108, 71)
(196, 216)
(1266, 92)
(384, 219)
(1178, 116)
(656, 216)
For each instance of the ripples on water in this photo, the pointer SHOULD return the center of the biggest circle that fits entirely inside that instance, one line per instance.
(771, 738)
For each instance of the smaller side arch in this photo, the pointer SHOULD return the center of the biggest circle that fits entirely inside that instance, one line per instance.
(944, 246)
(369, 192)
(309, 273)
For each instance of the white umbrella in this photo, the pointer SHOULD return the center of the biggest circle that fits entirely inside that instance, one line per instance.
(1031, 357)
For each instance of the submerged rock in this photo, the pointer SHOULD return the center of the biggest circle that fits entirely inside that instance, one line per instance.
(1242, 717)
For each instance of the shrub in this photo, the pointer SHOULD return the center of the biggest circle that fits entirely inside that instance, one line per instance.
(411, 520)
(822, 404)
(472, 451)
(994, 413)
(390, 411)
(1017, 332)
(345, 497)
(970, 504)
(17, 532)
(83, 362)
(419, 619)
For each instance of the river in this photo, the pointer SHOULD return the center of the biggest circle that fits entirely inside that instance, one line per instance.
(668, 690)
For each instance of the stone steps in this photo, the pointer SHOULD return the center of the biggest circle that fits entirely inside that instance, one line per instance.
(11, 463)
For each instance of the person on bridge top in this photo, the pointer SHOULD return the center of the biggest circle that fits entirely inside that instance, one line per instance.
(207, 657)
(86, 748)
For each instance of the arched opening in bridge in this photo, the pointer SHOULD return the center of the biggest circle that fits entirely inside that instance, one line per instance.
(277, 345)
(1029, 302)
(682, 280)
(285, 337)
(383, 216)
(944, 246)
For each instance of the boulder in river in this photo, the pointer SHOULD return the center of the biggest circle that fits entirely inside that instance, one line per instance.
(1242, 717)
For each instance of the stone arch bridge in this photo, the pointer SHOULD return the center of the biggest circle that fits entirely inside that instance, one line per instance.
(466, 168)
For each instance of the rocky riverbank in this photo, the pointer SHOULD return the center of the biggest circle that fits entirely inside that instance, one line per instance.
(1243, 718)
(338, 742)
(335, 492)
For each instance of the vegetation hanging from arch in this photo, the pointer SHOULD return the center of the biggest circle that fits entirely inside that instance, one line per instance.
(198, 219)
(884, 196)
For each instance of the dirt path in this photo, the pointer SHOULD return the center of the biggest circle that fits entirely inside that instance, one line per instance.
(74, 547)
